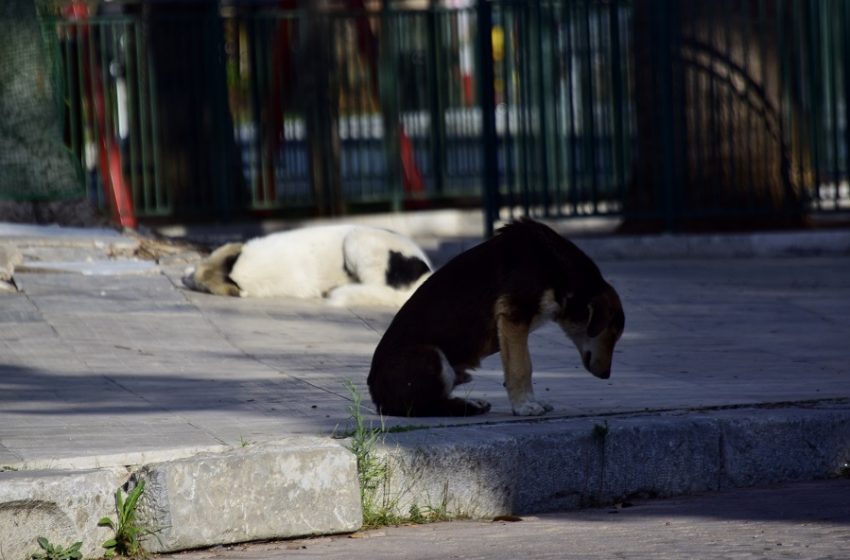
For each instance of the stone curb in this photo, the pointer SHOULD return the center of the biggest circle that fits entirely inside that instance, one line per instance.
(492, 470)
(309, 486)
(300, 487)
(61, 505)
(295, 487)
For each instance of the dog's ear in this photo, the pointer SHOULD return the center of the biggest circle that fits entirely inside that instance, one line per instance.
(603, 315)
(600, 317)
(576, 309)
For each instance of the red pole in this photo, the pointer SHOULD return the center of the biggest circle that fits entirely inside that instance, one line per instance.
(116, 190)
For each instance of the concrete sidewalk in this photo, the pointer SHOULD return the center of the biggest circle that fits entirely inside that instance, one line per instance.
(732, 372)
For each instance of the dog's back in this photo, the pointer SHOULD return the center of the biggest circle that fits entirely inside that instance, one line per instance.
(448, 324)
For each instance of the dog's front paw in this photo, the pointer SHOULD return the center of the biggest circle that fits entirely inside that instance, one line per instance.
(532, 408)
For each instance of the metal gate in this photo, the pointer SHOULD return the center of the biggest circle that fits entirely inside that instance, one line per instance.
(665, 111)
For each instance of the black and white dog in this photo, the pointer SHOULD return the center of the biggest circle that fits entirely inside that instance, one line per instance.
(486, 300)
(347, 264)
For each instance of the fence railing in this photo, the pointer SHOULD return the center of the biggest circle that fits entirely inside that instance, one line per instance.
(647, 109)
(209, 114)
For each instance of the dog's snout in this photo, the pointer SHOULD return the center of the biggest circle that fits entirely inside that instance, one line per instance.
(603, 374)
(595, 364)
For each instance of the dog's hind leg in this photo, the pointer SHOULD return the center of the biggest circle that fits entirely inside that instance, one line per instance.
(516, 362)
(418, 381)
(457, 406)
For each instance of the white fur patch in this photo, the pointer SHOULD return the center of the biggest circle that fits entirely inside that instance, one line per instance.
(188, 278)
(447, 373)
(366, 253)
(301, 263)
(532, 408)
(364, 295)
(317, 261)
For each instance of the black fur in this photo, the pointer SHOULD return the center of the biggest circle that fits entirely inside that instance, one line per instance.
(453, 311)
(403, 271)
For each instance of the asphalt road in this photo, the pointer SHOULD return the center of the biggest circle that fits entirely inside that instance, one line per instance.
(801, 521)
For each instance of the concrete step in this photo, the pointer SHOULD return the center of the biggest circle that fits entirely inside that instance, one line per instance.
(304, 486)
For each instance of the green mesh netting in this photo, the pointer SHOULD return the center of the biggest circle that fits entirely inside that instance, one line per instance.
(34, 163)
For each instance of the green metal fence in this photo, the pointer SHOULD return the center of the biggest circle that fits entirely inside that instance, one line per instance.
(397, 121)
(672, 113)
(217, 113)
(564, 115)
(110, 109)
(655, 110)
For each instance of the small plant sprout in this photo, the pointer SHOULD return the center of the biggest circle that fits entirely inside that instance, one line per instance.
(600, 431)
(371, 471)
(374, 474)
(57, 552)
(128, 534)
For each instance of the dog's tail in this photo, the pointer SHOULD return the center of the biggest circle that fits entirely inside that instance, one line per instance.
(418, 381)
(212, 275)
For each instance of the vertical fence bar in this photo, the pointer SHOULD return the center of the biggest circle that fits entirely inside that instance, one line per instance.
(258, 189)
(555, 17)
(510, 105)
(569, 24)
(603, 166)
(764, 144)
(814, 63)
(131, 101)
(90, 78)
(163, 201)
(588, 118)
(617, 97)
(830, 22)
(436, 105)
(543, 80)
(489, 156)
(845, 59)
(73, 85)
(749, 134)
(664, 85)
(135, 69)
(729, 99)
(390, 105)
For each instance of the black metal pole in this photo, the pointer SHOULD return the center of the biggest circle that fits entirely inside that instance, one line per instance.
(487, 96)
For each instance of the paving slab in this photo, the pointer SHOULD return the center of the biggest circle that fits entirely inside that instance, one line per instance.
(732, 370)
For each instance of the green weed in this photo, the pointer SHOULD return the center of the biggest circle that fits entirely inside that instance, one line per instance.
(600, 431)
(428, 514)
(374, 473)
(57, 552)
(128, 534)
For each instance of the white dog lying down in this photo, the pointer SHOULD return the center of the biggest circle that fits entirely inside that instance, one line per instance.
(347, 264)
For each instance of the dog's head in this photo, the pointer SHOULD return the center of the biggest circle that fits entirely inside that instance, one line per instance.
(594, 324)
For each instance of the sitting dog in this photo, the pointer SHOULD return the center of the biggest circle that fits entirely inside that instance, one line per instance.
(486, 300)
(348, 264)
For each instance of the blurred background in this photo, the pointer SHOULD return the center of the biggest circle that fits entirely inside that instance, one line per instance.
(663, 115)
